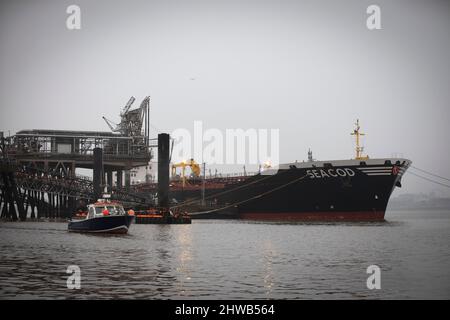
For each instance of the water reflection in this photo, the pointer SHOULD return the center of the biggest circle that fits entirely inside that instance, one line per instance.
(183, 235)
(229, 260)
(269, 255)
(164, 279)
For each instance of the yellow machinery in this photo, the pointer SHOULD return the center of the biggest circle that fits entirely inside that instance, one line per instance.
(358, 149)
(195, 168)
(267, 164)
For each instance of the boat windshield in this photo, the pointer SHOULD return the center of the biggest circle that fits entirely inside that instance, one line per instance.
(112, 210)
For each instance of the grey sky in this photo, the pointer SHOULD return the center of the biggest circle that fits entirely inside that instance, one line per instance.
(309, 68)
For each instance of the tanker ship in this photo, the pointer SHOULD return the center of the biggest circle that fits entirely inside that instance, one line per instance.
(357, 189)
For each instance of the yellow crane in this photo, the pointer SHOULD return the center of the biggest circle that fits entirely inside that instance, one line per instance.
(358, 149)
(195, 168)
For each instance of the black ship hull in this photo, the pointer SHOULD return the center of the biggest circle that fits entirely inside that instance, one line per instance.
(343, 190)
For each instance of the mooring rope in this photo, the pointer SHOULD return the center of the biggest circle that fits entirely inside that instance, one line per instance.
(428, 179)
(252, 198)
(431, 174)
(215, 195)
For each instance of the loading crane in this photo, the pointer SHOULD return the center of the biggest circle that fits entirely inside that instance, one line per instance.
(132, 121)
(128, 106)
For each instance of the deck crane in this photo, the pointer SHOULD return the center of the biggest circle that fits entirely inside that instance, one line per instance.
(195, 168)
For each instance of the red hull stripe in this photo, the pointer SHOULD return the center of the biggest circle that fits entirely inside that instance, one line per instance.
(317, 216)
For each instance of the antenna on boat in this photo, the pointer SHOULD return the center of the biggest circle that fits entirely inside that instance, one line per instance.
(358, 148)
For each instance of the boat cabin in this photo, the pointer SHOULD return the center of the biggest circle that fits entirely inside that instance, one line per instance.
(105, 208)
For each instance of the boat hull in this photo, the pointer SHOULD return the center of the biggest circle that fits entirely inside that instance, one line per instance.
(106, 224)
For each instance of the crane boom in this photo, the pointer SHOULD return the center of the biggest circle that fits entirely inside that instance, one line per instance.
(110, 124)
(128, 105)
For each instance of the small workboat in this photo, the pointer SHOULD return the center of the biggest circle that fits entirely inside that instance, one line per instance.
(104, 216)
(162, 216)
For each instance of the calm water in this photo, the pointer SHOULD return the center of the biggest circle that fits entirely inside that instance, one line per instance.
(231, 260)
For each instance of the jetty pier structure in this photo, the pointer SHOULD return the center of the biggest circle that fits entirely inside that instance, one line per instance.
(37, 167)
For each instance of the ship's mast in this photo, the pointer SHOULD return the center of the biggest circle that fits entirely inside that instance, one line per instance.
(358, 148)
(310, 156)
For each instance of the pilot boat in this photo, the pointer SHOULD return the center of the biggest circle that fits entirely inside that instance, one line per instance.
(103, 216)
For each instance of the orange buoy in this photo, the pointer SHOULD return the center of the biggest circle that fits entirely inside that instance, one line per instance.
(131, 212)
